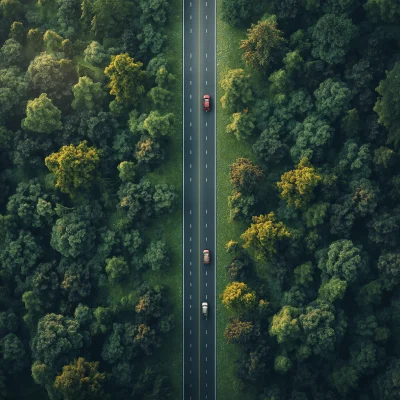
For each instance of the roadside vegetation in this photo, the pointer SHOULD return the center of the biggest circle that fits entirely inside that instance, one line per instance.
(90, 199)
(308, 192)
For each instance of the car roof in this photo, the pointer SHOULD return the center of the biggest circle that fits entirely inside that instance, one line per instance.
(206, 96)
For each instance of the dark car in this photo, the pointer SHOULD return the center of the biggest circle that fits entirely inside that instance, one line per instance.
(206, 256)
(206, 102)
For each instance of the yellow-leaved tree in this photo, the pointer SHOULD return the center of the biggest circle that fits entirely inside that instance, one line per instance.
(74, 166)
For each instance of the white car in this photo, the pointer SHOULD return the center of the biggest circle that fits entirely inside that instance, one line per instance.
(204, 308)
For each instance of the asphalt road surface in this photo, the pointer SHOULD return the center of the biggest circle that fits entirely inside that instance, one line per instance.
(199, 199)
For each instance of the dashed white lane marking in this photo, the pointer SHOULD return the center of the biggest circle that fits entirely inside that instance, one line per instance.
(190, 371)
(206, 4)
(206, 55)
(191, 358)
(206, 284)
(206, 334)
(190, 332)
(190, 16)
(190, 304)
(206, 225)
(190, 109)
(206, 30)
(190, 152)
(190, 272)
(190, 82)
(190, 179)
(206, 345)
(190, 30)
(190, 96)
(206, 273)
(190, 4)
(206, 151)
(190, 239)
(190, 285)
(206, 179)
(190, 124)
(190, 250)
(206, 124)
(206, 83)
(206, 16)
(190, 68)
(206, 239)
(206, 165)
(190, 344)
(190, 165)
(206, 211)
(206, 69)
(206, 137)
(190, 137)
(190, 55)
(206, 297)
(190, 317)
(190, 213)
(190, 263)
(190, 225)
(190, 299)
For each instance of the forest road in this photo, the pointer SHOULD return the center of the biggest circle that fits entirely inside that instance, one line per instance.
(199, 199)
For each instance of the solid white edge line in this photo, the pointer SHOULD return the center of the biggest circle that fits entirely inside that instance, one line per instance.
(215, 203)
(183, 200)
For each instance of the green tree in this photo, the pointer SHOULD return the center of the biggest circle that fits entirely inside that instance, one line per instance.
(96, 54)
(332, 97)
(116, 269)
(87, 95)
(343, 260)
(73, 166)
(17, 31)
(312, 137)
(263, 44)
(14, 88)
(238, 296)
(158, 125)
(331, 37)
(57, 340)
(385, 10)
(332, 290)
(52, 75)
(242, 125)
(52, 40)
(164, 198)
(127, 171)
(13, 353)
(237, 89)
(297, 186)
(236, 12)
(388, 104)
(35, 39)
(74, 232)
(81, 380)
(264, 236)
(157, 256)
(11, 54)
(282, 364)
(109, 16)
(285, 325)
(42, 115)
(126, 78)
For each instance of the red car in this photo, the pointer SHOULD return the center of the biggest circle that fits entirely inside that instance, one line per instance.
(206, 256)
(206, 102)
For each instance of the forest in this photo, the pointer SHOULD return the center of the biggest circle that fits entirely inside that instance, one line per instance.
(84, 123)
(314, 290)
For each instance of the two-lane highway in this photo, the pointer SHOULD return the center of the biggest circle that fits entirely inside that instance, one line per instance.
(199, 199)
